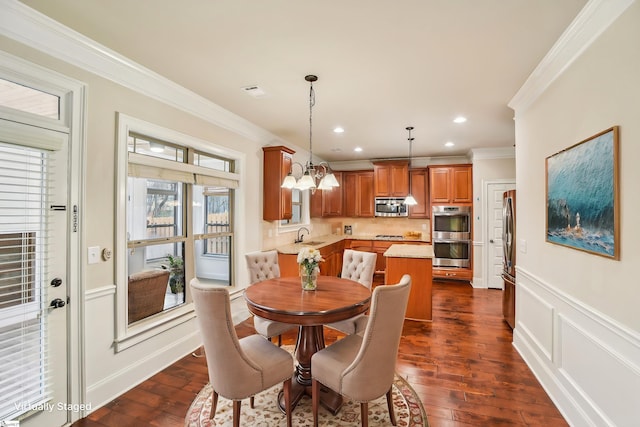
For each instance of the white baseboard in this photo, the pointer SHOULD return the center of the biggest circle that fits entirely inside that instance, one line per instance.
(588, 364)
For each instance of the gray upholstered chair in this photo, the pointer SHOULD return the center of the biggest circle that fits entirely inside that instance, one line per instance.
(358, 266)
(238, 368)
(263, 266)
(361, 367)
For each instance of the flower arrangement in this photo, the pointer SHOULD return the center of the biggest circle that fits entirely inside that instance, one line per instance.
(308, 259)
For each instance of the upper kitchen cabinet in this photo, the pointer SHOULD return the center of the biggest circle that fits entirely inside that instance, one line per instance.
(358, 194)
(451, 184)
(391, 178)
(327, 202)
(276, 200)
(419, 179)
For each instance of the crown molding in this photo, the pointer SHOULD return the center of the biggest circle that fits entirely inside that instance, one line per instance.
(31, 28)
(589, 24)
(492, 153)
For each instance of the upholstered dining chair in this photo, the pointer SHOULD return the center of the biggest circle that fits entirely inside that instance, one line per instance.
(238, 368)
(358, 266)
(263, 266)
(362, 367)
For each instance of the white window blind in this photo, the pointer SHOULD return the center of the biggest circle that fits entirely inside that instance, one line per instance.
(24, 359)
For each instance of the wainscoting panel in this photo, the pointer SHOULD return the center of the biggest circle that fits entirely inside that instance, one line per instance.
(588, 363)
(536, 321)
(108, 373)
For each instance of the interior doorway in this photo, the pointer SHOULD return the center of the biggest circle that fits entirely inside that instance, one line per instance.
(493, 231)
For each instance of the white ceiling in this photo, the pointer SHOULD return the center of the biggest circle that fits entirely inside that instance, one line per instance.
(381, 65)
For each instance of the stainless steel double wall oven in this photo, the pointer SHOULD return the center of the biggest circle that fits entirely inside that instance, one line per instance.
(451, 236)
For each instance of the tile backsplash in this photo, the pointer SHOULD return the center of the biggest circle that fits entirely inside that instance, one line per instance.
(274, 237)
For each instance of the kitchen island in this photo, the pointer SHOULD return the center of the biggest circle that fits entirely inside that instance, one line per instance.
(415, 260)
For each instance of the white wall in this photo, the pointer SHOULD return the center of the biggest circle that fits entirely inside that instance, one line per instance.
(577, 322)
(106, 372)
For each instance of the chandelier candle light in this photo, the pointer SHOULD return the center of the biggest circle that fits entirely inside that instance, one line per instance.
(308, 259)
(311, 172)
(410, 200)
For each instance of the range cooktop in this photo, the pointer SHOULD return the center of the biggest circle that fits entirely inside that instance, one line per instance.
(389, 237)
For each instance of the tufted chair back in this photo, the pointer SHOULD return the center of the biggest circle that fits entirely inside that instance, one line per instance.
(262, 265)
(359, 266)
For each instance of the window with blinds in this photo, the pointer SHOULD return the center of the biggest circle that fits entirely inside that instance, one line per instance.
(168, 183)
(24, 362)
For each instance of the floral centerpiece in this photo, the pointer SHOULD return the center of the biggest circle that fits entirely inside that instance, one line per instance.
(308, 259)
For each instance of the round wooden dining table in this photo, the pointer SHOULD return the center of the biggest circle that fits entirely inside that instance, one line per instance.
(283, 300)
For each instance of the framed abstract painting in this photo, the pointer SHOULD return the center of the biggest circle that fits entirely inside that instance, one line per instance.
(583, 195)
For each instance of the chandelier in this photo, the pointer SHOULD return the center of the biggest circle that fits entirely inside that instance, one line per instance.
(311, 173)
(410, 200)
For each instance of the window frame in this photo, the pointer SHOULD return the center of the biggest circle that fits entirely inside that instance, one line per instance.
(128, 335)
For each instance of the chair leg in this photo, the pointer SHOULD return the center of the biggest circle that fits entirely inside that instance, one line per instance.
(315, 400)
(392, 414)
(236, 412)
(279, 340)
(287, 400)
(251, 401)
(214, 403)
(364, 414)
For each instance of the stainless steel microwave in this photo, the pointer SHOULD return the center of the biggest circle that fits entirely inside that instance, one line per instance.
(390, 206)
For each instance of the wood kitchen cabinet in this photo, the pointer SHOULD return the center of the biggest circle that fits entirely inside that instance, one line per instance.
(391, 178)
(358, 194)
(327, 202)
(419, 180)
(331, 266)
(450, 184)
(276, 200)
(332, 199)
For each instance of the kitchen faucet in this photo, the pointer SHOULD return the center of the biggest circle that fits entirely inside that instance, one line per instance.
(300, 237)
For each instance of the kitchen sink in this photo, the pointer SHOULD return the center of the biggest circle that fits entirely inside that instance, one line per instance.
(311, 243)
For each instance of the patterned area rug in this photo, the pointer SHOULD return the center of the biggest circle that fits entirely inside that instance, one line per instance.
(408, 408)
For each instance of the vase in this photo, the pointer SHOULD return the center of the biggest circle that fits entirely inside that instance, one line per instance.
(309, 281)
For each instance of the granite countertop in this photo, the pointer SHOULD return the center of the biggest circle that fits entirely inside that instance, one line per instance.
(318, 242)
(409, 251)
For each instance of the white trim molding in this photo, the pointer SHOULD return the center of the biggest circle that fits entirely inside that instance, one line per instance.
(588, 363)
(26, 25)
(594, 18)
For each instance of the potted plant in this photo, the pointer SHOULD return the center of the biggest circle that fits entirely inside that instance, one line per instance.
(176, 269)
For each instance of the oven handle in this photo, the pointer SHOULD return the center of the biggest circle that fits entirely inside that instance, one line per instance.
(451, 241)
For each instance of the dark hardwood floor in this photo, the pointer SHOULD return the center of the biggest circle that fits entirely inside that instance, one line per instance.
(462, 365)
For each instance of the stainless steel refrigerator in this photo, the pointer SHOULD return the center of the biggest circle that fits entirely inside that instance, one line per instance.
(509, 257)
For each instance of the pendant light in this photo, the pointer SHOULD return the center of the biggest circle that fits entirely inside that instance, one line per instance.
(311, 172)
(410, 200)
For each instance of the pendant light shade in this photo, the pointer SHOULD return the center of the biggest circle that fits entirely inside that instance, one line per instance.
(410, 200)
(311, 173)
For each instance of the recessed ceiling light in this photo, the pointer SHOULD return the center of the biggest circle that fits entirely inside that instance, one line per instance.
(338, 129)
(459, 119)
(449, 144)
(357, 149)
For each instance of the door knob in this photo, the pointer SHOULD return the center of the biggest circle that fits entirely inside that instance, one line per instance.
(56, 282)
(57, 303)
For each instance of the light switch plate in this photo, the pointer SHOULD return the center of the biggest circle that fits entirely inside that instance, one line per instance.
(523, 246)
(93, 254)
